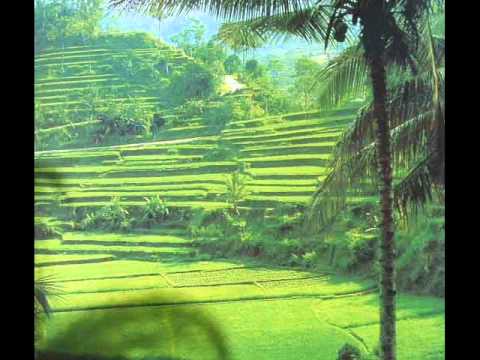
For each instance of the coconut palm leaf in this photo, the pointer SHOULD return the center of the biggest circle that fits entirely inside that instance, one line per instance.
(226, 9)
(417, 119)
(310, 24)
(343, 77)
(43, 287)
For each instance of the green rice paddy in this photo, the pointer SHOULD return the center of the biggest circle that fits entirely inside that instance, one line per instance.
(178, 300)
(146, 294)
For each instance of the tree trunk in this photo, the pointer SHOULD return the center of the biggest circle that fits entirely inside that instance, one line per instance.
(387, 258)
(374, 20)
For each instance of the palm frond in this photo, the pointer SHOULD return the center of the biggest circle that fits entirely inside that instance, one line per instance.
(43, 288)
(356, 161)
(225, 9)
(415, 190)
(309, 24)
(344, 76)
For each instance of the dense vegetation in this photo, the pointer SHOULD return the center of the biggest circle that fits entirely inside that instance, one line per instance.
(195, 174)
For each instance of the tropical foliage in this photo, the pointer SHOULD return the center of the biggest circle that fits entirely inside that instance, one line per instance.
(416, 113)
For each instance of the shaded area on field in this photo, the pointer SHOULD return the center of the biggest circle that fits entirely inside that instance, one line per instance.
(174, 333)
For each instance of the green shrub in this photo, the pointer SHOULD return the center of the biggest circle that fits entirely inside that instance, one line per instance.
(196, 81)
(110, 217)
(236, 190)
(421, 261)
(232, 64)
(192, 108)
(155, 211)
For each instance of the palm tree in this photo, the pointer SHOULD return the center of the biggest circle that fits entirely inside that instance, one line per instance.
(416, 113)
(388, 33)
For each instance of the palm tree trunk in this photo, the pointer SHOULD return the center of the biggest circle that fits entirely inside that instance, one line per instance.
(374, 24)
(387, 258)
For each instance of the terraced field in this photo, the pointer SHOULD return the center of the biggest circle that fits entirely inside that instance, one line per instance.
(179, 307)
(63, 75)
(285, 158)
(146, 293)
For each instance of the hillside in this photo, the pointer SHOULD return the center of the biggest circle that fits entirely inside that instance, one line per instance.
(285, 156)
(63, 75)
(152, 245)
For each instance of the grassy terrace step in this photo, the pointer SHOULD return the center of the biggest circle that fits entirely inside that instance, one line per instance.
(74, 50)
(131, 188)
(332, 286)
(145, 148)
(75, 77)
(141, 172)
(119, 269)
(57, 91)
(329, 124)
(72, 197)
(277, 136)
(316, 148)
(53, 260)
(286, 157)
(236, 276)
(287, 141)
(217, 178)
(172, 238)
(360, 311)
(289, 171)
(210, 277)
(74, 85)
(58, 247)
(208, 205)
(119, 100)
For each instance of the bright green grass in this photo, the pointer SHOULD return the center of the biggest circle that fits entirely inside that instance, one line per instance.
(209, 205)
(56, 245)
(287, 157)
(127, 268)
(134, 238)
(285, 182)
(178, 179)
(140, 147)
(281, 136)
(139, 188)
(194, 294)
(126, 194)
(421, 338)
(289, 146)
(283, 125)
(113, 285)
(361, 311)
(290, 170)
(104, 169)
(280, 198)
(252, 330)
(278, 189)
(276, 329)
(41, 259)
(221, 277)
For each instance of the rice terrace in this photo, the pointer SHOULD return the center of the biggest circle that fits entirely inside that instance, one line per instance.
(202, 192)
